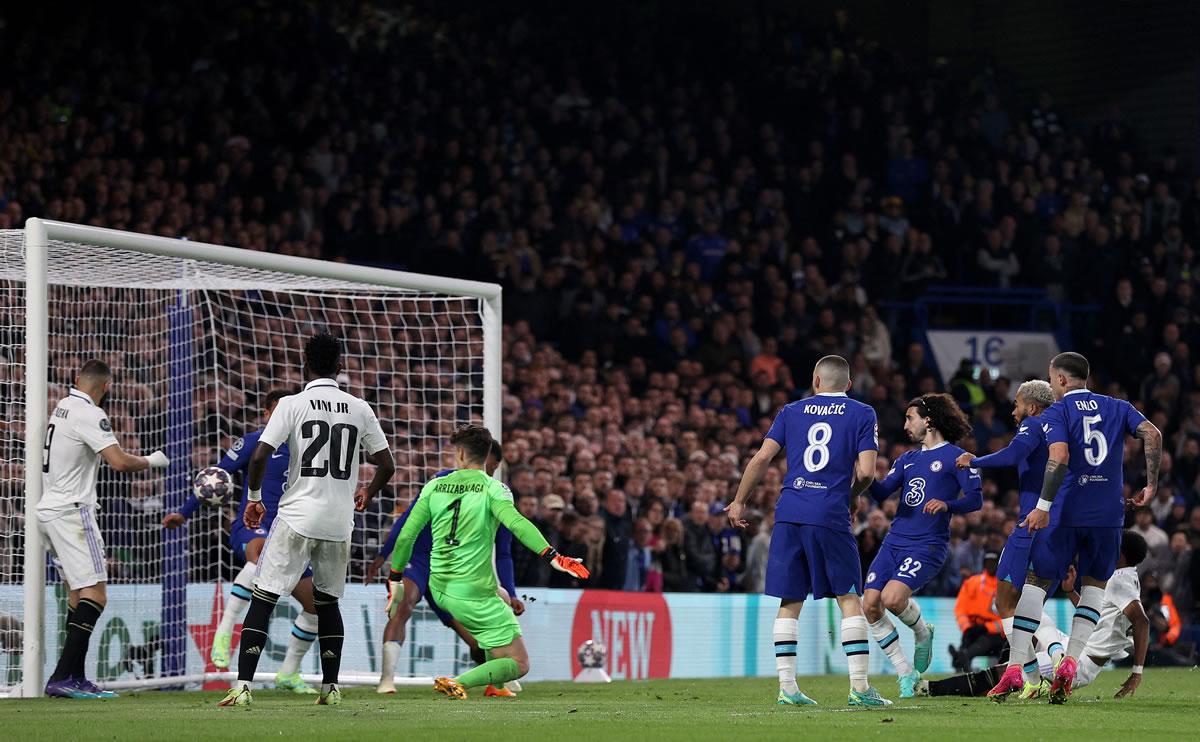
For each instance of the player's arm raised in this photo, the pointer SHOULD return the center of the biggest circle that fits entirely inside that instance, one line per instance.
(1055, 424)
(1141, 644)
(118, 459)
(750, 479)
(884, 488)
(972, 495)
(528, 534)
(1152, 442)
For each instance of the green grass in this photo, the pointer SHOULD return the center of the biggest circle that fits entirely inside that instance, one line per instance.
(654, 711)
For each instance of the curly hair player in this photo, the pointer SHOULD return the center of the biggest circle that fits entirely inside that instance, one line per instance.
(465, 508)
(325, 427)
(915, 548)
(1082, 509)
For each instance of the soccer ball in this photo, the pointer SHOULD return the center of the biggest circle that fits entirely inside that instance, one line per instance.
(212, 486)
(592, 654)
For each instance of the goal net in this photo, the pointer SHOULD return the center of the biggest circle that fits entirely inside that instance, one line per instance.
(197, 335)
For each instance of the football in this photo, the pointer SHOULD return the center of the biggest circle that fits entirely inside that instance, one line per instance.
(592, 654)
(212, 486)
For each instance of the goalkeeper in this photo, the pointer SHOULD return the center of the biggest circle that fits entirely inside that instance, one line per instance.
(465, 508)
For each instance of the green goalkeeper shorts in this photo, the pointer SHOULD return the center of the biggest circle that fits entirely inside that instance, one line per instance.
(489, 619)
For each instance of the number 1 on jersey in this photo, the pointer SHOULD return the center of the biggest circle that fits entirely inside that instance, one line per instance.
(452, 539)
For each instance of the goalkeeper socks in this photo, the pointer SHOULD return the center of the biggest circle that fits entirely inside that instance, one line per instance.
(786, 631)
(239, 598)
(889, 641)
(493, 672)
(80, 623)
(1025, 623)
(911, 616)
(254, 633)
(1087, 615)
(304, 633)
(391, 654)
(857, 649)
(331, 630)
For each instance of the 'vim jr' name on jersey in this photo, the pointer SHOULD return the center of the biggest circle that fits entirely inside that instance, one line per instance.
(822, 436)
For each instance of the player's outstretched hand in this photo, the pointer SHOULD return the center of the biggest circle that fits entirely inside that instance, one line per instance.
(158, 460)
(362, 498)
(964, 460)
(571, 565)
(734, 511)
(1035, 521)
(935, 506)
(1144, 495)
(171, 521)
(1130, 686)
(254, 514)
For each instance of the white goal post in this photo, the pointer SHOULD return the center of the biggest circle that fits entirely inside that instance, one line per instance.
(195, 327)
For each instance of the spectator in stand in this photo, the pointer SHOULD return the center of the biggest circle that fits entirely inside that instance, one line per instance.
(677, 577)
(618, 540)
(703, 561)
(1157, 543)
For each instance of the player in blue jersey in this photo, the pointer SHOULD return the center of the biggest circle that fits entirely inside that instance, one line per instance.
(832, 442)
(1027, 452)
(914, 549)
(247, 544)
(1082, 512)
(416, 585)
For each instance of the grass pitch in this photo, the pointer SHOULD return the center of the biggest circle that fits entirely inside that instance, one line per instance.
(653, 711)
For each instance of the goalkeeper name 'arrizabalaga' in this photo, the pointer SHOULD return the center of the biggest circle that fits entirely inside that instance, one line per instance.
(464, 508)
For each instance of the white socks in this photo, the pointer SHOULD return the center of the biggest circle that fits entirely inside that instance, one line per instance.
(1087, 615)
(304, 633)
(391, 655)
(858, 651)
(1025, 622)
(239, 598)
(786, 632)
(889, 641)
(911, 616)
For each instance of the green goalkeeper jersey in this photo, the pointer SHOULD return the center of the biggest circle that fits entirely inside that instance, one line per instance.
(465, 507)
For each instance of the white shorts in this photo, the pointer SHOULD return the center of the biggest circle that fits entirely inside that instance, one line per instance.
(1087, 672)
(287, 554)
(74, 540)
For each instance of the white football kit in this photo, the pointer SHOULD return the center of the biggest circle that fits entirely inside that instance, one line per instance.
(77, 432)
(1112, 636)
(324, 428)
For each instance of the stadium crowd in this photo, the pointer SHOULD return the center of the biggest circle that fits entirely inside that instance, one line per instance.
(679, 236)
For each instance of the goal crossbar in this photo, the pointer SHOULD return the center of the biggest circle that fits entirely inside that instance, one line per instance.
(39, 234)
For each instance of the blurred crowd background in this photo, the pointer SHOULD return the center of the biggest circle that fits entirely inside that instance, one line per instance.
(682, 225)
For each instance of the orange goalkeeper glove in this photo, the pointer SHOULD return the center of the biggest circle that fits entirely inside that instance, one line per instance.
(571, 565)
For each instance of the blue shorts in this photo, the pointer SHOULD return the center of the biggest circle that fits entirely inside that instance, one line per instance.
(418, 571)
(240, 536)
(1014, 559)
(1098, 549)
(913, 563)
(812, 560)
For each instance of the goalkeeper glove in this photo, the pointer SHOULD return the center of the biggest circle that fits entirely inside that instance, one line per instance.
(571, 565)
(395, 592)
(158, 460)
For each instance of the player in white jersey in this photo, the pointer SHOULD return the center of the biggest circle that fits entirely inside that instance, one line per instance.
(78, 435)
(1123, 625)
(324, 427)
